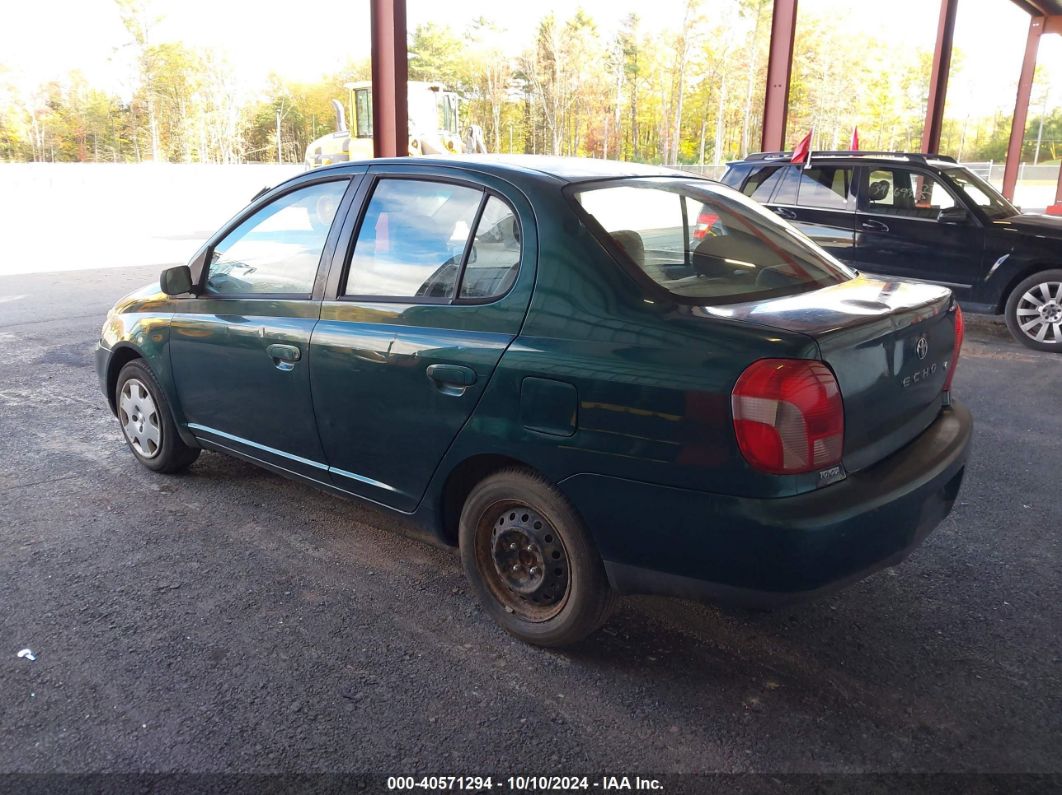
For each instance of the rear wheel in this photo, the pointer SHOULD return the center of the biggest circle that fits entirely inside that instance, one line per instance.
(531, 562)
(147, 423)
(1034, 311)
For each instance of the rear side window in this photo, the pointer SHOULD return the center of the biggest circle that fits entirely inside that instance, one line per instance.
(825, 187)
(434, 241)
(495, 255)
(704, 244)
(762, 183)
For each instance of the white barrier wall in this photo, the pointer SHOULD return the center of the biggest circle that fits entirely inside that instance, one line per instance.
(72, 216)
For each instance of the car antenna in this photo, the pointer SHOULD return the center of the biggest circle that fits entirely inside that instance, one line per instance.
(261, 193)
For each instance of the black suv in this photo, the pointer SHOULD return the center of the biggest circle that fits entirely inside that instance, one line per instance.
(921, 217)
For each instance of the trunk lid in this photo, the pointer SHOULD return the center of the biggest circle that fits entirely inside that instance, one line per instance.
(889, 343)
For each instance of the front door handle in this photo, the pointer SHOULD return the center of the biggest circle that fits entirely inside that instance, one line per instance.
(789, 215)
(451, 379)
(875, 226)
(284, 356)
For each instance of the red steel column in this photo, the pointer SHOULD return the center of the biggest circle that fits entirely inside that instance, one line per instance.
(390, 71)
(779, 70)
(1054, 25)
(938, 80)
(1021, 107)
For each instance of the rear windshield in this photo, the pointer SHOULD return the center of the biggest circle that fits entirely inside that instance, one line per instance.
(706, 243)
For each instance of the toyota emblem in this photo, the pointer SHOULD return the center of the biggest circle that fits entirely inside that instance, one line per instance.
(922, 347)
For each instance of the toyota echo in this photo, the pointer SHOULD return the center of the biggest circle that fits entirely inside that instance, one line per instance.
(594, 378)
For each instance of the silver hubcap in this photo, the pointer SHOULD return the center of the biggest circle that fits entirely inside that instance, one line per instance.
(1040, 312)
(140, 418)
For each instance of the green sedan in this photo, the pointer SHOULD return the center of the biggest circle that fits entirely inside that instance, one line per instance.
(594, 378)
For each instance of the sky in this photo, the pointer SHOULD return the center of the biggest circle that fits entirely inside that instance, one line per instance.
(45, 40)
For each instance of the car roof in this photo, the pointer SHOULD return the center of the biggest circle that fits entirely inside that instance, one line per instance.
(564, 169)
(854, 156)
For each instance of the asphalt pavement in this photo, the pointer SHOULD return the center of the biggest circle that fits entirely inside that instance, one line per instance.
(230, 621)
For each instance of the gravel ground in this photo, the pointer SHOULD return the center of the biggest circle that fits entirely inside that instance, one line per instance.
(228, 620)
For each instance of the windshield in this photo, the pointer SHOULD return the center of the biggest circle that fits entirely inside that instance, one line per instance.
(981, 193)
(707, 244)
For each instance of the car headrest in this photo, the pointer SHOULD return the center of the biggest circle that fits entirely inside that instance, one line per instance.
(879, 190)
(632, 244)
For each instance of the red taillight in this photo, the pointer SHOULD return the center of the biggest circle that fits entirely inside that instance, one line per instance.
(705, 221)
(788, 416)
(960, 334)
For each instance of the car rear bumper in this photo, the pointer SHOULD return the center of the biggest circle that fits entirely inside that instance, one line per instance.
(764, 553)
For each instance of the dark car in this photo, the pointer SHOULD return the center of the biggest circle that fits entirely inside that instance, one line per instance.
(921, 217)
(549, 363)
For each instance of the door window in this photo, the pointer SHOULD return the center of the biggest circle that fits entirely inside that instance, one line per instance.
(277, 250)
(762, 183)
(495, 255)
(822, 187)
(904, 192)
(412, 240)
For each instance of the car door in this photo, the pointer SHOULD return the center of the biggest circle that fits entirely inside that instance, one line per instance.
(433, 288)
(901, 231)
(820, 202)
(239, 347)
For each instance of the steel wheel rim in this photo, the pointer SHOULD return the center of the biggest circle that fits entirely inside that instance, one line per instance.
(140, 419)
(1039, 313)
(533, 596)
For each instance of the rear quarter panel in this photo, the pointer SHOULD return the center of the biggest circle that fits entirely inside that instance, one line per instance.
(652, 380)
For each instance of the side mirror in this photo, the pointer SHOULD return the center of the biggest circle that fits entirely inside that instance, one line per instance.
(176, 281)
(953, 215)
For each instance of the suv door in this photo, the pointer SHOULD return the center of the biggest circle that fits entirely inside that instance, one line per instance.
(239, 348)
(417, 313)
(901, 231)
(820, 202)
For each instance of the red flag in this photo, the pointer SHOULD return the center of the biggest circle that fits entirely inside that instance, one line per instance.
(855, 139)
(803, 149)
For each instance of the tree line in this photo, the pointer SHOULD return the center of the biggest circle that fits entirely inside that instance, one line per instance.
(689, 95)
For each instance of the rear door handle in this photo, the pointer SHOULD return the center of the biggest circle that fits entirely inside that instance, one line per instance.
(781, 212)
(284, 356)
(874, 226)
(451, 379)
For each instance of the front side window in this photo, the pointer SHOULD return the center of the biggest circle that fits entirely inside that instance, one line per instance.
(277, 250)
(412, 240)
(907, 193)
(707, 245)
(981, 193)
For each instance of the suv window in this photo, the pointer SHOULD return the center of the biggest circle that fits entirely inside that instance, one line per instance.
(905, 192)
(980, 193)
(825, 187)
(277, 250)
(704, 245)
(413, 239)
(762, 183)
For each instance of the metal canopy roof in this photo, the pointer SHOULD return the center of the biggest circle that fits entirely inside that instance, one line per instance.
(1040, 8)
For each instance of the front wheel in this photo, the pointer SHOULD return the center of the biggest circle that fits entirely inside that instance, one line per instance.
(531, 562)
(147, 423)
(1034, 311)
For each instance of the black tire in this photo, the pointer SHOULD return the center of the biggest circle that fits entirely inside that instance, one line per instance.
(1043, 320)
(167, 454)
(570, 596)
